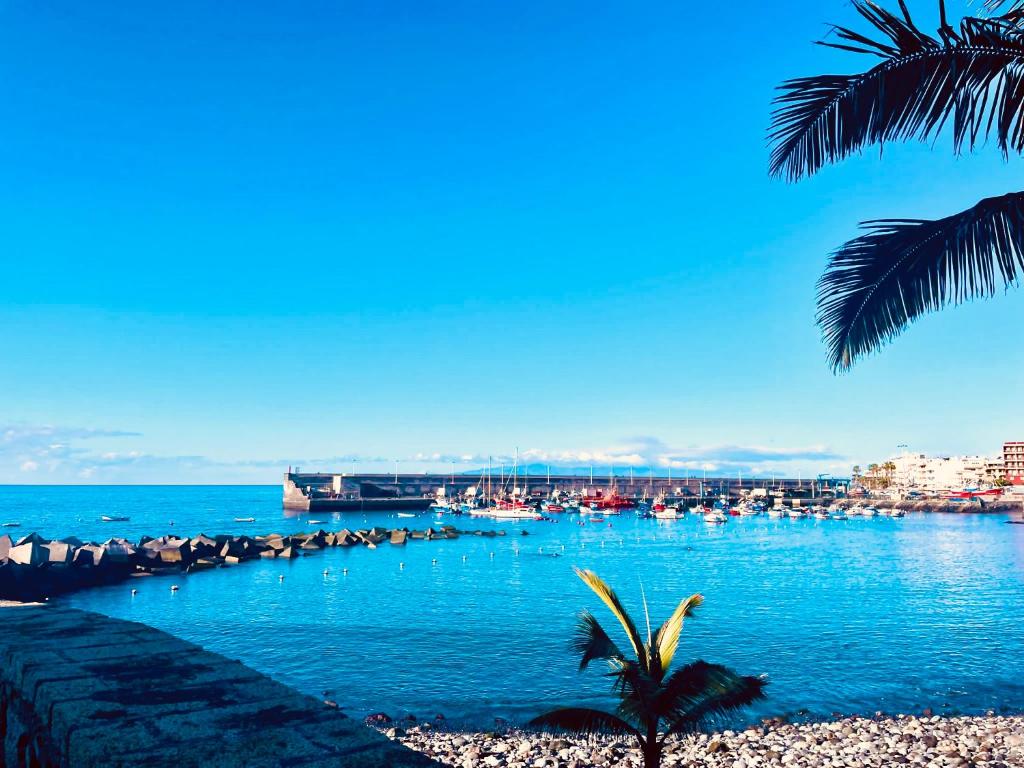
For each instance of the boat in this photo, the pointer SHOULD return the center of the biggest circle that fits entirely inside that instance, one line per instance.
(406, 514)
(715, 517)
(838, 515)
(10, 525)
(597, 519)
(114, 519)
(553, 507)
(897, 512)
(317, 522)
(670, 512)
(776, 512)
(822, 514)
(245, 519)
(795, 512)
(869, 512)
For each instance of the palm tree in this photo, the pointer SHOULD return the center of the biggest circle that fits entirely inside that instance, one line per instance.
(649, 696)
(970, 78)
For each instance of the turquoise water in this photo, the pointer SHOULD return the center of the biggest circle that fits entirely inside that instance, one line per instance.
(851, 617)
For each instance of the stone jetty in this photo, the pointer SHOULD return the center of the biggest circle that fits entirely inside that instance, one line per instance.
(34, 568)
(855, 742)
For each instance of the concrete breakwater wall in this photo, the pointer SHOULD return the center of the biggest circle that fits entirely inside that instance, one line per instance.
(34, 568)
(80, 689)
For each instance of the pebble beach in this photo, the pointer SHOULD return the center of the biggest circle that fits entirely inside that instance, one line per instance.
(931, 742)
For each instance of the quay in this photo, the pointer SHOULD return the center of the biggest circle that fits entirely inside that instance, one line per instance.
(333, 491)
(82, 689)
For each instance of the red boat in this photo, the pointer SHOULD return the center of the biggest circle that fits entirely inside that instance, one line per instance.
(554, 508)
(611, 501)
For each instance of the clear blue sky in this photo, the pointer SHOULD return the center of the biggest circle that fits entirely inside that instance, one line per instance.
(239, 236)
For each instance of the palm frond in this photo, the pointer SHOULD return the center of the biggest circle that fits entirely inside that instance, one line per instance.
(666, 640)
(701, 691)
(969, 77)
(583, 720)
(898, 270)
(592, 642)
(610, 599)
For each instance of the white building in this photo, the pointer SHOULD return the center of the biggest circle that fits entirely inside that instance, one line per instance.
(917, 472)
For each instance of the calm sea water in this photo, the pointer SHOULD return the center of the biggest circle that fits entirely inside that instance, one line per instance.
(866, 615)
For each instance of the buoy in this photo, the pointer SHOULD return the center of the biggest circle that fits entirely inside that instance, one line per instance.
(563, 547)
(135, 592)
(174, 587)
(325, 571)
(434, 561)
(401, 566)
(463, 558)
(344, 570)
(281, 577)
(492, 555)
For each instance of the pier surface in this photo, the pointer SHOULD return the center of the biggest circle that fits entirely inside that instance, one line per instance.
(81, 689)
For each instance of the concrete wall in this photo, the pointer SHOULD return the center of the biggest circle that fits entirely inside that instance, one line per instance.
(79, 689)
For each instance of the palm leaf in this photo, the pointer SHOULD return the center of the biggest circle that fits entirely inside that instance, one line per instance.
(970, 77)
(583, 720)
(666, 640)
(609, 598)
(898, 270)
(592, 642)
(700, 691)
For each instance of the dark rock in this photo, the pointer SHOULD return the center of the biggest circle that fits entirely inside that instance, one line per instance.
(378, 718)
(33, 538)
(288, 553)
(5, 546)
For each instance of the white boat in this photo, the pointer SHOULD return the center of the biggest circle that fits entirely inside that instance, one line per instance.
(10, 525)
(822, 514)
(776, 512)
(897, 512)
(406, 514)
(795, 512)
(869, 512)
(516, 513)
(671, 512)
(716, 517)
(838, 515)
(245, 519)
(113, 519)
(748, 511)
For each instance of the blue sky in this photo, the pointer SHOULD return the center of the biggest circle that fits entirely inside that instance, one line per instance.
(238, 237)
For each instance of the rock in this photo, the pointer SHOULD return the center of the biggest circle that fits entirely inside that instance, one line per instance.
(378, 719)
(30, 552)
(399, 537)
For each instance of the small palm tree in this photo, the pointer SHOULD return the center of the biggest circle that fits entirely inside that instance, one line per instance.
(650, 697)
(969, 79)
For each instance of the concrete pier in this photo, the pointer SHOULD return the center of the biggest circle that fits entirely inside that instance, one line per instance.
(78, 689)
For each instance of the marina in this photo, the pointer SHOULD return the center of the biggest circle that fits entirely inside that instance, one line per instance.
(487, 611)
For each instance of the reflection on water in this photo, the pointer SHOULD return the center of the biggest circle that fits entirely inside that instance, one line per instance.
(855, 616)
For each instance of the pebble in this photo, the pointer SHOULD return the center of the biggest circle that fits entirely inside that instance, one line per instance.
(915, 742)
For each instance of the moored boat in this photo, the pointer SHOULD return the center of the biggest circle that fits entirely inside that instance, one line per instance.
(114, 519)
(715, 517)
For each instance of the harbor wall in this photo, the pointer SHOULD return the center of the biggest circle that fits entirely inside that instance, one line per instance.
(418, 485)
(82, 689)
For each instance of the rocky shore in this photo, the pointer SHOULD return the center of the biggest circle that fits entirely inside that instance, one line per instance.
(35, 568)
(930, 742)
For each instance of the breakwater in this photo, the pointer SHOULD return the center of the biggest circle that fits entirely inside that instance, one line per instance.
(34, 568)
(82, 689)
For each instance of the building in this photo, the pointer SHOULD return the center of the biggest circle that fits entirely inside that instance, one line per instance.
(1013, 462)
(933, 474)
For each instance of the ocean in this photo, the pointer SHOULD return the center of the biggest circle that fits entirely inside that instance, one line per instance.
(893, 615)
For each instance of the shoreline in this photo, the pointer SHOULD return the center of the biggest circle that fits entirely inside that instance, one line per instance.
(984, 741)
